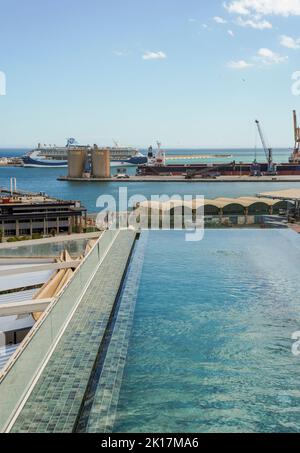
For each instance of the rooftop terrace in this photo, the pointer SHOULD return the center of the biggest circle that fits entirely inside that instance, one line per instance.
(43, 386)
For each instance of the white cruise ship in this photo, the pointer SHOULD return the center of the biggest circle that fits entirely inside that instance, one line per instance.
(54, 156)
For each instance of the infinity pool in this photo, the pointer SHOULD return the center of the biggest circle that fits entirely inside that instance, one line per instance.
(210, 346)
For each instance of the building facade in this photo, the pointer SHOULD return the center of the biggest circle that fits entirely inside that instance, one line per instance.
(23, 217)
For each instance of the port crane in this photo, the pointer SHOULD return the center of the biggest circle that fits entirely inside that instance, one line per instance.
(268, 151)
(295, 157)
(297, 132)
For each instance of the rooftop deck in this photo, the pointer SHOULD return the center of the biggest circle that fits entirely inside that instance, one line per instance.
(51, 397)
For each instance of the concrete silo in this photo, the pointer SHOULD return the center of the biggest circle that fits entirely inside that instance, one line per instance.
(100, 163)
(76, 162)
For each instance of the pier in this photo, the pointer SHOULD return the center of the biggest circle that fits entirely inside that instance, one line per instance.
(11, 162)
(172, 179)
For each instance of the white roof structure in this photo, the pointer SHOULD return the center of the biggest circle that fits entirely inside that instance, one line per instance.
(5, 354)
(17, 296)
(16, 322)
(25, 282)
(8, 323)
(217, 202)
(16, 281)
(8, 282)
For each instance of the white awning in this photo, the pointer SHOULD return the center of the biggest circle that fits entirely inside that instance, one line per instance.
(17, 296)
(8, 282)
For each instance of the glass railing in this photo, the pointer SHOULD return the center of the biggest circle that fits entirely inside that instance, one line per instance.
(21, 372)
(74, 247)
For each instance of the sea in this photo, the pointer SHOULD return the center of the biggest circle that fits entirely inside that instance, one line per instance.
(45, 179)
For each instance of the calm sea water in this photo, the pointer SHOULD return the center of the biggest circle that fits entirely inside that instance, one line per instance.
(45, 180)
(210, 349)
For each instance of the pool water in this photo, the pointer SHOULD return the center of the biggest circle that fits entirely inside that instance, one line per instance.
(210, 347)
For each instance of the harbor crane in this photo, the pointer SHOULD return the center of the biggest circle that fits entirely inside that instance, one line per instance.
(296, 132)
(268, 151)
(295, 156)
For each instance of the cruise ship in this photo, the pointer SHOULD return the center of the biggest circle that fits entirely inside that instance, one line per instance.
(54, 156)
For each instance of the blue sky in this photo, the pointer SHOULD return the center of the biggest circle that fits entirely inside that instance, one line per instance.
(191, 73)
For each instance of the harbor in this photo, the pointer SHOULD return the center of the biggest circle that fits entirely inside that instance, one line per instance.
(95, 165)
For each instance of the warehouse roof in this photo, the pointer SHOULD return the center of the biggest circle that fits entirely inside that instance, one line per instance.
(217, 202)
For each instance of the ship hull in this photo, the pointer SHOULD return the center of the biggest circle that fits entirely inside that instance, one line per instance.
(47, 163)
(243, 169)
(32, 162)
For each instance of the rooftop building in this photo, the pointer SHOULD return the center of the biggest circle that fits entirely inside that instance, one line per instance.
(25, 215)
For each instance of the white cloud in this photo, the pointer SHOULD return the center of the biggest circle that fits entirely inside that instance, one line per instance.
(264, 7)
(241, 64)
(289, 42)
(236, 7)
(220, 20)
(264, 56)
(154, 55)
(254, 22)
(267, 56)
(231, 33)
(204, 25)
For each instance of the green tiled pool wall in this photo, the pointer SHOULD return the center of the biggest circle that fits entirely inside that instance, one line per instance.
(56, 399)
(100, 409)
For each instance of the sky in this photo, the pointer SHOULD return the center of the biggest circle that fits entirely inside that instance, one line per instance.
(189, 73)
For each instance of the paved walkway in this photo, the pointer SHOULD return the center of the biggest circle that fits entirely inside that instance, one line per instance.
(56, 399)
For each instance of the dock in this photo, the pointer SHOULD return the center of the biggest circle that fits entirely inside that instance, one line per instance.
(11, 162)
(22, 193)
(290, 178)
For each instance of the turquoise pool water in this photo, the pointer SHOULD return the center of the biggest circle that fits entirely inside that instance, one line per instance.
(210, 347)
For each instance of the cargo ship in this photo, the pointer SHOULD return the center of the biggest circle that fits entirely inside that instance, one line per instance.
(54, 156)
(157, 163)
